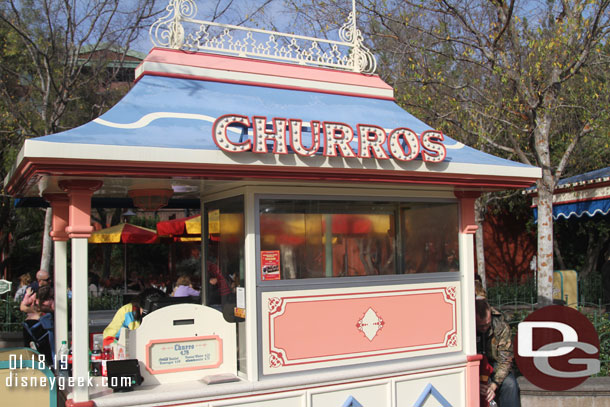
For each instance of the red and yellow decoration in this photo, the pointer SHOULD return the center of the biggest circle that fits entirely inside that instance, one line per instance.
(124, 233)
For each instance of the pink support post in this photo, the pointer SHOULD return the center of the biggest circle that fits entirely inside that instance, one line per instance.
(467, 218)
(80, 192)
(60, 204)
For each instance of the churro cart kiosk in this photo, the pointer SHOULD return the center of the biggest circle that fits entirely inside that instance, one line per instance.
(342, 225)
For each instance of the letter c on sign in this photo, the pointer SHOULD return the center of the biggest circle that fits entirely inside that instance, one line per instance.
(219, 133)
(526, 342)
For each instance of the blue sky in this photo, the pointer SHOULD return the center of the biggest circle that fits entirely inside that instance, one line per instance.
(275, 11)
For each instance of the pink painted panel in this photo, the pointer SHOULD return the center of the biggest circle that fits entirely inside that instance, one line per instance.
(222, 62)
(313, 327)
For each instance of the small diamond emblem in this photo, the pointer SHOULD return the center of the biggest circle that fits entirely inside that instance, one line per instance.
(370, 324)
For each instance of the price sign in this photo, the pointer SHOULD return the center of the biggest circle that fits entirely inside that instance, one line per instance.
(180, 354)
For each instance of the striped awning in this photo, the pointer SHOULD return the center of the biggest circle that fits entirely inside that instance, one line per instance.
(584, 194)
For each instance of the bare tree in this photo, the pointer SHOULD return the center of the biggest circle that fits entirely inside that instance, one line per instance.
(55, 60)
(60, 62)
(507, 75)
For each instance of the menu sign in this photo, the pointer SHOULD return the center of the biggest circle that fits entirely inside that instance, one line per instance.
(270, 265)
(180, 354)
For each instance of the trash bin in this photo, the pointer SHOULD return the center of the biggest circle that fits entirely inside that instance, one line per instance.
(565, 287)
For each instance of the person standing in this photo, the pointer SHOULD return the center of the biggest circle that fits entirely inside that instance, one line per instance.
(24, 282)
(494, 341)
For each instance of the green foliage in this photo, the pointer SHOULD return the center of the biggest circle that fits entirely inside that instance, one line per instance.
(24, 241)
(105, 302)
(515, 293)
(55, 74)
(590, 289)
(503, 293)
(582, 242)
(11, 317)
(602, 326)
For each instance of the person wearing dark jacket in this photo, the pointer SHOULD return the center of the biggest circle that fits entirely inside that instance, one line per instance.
(494, 340)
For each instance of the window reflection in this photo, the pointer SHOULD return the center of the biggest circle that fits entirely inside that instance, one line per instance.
(430, 238)
(225, 263)
(315, 239)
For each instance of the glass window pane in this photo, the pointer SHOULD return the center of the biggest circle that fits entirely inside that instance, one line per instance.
(315, 239)
(430, 237)
(225, 262)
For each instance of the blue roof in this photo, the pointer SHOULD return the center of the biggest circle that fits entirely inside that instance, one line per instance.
(179, 113)
(587, 176)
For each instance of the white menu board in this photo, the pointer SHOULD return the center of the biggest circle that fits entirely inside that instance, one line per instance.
(179, 354)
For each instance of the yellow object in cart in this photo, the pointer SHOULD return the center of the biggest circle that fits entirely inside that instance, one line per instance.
(565, 287)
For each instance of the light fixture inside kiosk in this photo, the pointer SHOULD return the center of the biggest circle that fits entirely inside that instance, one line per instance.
(314, 239)
(150, 199)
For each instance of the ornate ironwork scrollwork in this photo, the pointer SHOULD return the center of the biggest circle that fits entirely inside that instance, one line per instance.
(349, 53)
(168, 31)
